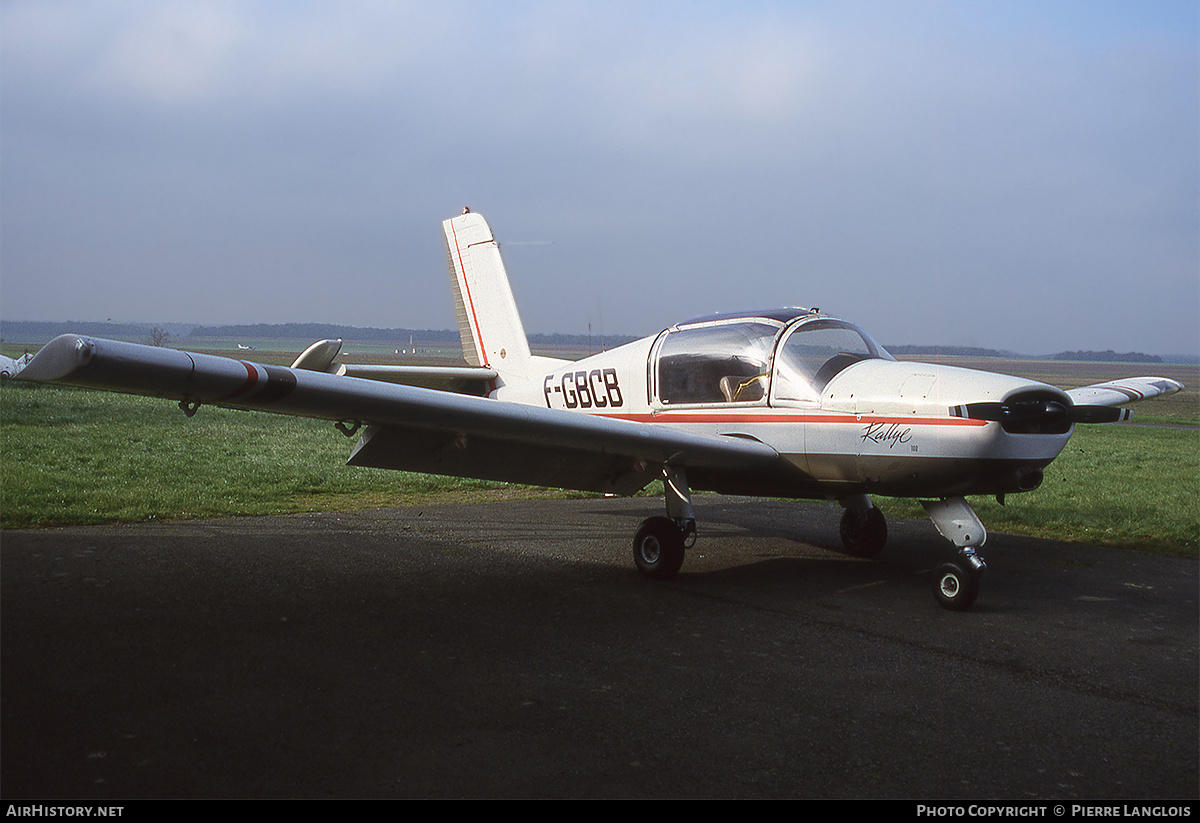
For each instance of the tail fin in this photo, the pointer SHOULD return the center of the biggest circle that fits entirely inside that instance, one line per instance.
(492, 334)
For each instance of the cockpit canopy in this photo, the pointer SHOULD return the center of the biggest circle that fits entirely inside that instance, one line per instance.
(787, 356)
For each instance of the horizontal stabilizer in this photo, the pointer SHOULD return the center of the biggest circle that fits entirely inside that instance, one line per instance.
(461, 379)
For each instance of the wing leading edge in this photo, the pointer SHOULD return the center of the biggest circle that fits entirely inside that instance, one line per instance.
(408, 428)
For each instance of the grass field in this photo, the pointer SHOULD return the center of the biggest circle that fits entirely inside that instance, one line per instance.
(72, 456)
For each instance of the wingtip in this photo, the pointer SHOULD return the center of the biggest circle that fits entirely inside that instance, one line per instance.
(58, 359)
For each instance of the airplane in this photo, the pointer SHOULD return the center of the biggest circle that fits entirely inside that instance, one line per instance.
(9, 367)
(785, 403)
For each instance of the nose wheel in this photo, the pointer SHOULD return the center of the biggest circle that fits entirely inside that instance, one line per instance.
(956, 584)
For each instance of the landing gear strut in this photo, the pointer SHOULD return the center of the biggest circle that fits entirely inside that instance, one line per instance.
(864, 528)
(660, 542)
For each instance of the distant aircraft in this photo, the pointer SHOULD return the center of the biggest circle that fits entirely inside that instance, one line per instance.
(245, 348)
(10, 367)
(784, 403)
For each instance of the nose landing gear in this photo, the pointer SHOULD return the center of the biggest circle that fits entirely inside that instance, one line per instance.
(956, 584)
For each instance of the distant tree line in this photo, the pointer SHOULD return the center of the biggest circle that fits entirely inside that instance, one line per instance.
(321, 331)
(1108, 356)
(36, 332)
(955, 351)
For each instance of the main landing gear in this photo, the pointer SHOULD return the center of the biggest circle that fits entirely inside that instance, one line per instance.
(658, 547)
(660, 542)
(864, 528)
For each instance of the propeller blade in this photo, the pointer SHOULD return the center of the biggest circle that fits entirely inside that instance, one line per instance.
(1099, 414)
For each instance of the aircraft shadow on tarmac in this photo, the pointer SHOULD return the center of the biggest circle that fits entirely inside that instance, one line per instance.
(797, 547)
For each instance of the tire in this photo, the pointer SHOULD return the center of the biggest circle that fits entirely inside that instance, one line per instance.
(954, 587)
(658, 548)
(864, 532)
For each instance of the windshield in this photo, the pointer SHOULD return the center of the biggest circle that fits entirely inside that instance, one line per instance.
(815, 352)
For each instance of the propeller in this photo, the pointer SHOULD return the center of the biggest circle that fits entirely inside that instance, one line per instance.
(1039, 416)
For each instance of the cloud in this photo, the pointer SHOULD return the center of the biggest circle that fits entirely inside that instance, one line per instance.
(885, 160)
(175, 54)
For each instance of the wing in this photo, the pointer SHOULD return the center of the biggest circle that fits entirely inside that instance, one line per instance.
(407, 427)
(1102, 396)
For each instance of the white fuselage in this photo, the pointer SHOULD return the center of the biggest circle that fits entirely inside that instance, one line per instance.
(846, 422)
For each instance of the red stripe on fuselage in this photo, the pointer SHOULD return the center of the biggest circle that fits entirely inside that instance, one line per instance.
(806, 417)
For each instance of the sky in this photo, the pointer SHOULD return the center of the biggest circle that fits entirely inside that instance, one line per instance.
(998, 173)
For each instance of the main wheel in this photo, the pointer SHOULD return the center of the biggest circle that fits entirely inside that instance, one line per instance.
(864, 531)
(658, 548)
(955, 587)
